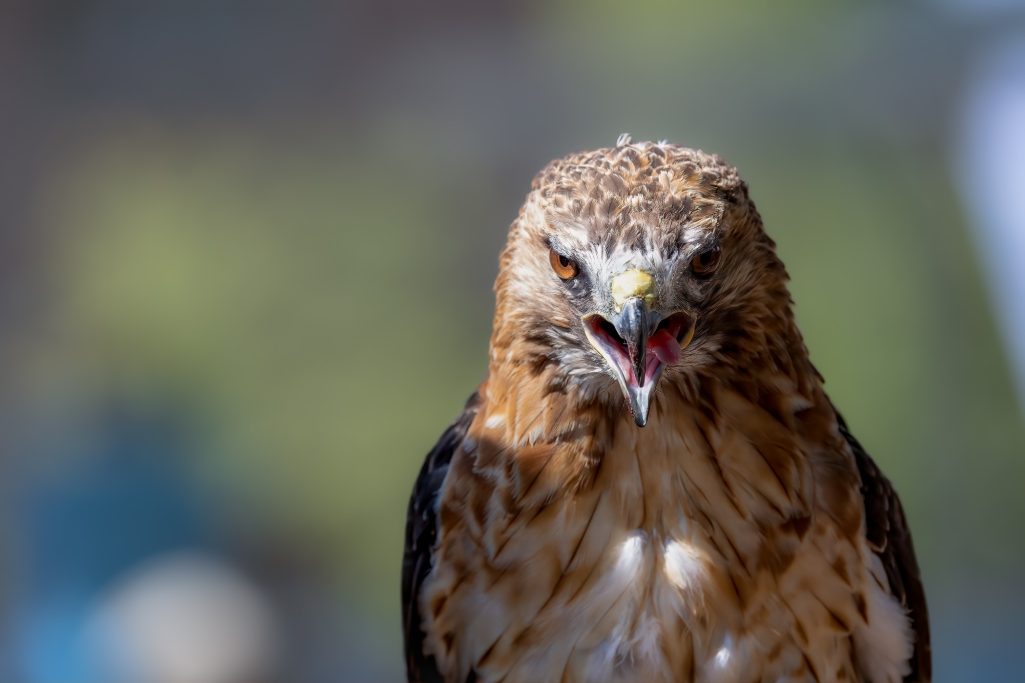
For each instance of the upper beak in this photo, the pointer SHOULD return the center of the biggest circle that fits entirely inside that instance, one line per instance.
(632, 326)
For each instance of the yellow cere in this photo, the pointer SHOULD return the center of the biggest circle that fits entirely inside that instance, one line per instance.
(630, 284)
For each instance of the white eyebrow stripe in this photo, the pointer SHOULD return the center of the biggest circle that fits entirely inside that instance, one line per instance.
(695, 235)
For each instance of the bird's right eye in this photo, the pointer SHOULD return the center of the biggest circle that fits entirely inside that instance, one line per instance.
(566, 268)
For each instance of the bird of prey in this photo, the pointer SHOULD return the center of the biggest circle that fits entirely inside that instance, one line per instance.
(651, 484)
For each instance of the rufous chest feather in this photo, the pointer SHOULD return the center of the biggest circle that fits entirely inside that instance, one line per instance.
(694, 550)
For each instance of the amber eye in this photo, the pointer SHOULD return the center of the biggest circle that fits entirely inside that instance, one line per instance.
(705, 262)
(565, 268)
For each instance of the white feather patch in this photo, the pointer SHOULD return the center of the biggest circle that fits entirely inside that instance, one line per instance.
(728, 663)
(631, 553)
(885, 643)
(684, 565)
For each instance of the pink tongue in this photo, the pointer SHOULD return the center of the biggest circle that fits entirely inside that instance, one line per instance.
(664, 346)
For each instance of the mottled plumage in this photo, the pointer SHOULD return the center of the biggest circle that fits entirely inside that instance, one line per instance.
(651, 485)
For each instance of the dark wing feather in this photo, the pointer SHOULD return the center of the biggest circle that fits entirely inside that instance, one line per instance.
(421, 534)
(889, 537)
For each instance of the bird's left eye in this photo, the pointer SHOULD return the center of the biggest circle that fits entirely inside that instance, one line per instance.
(566, 268)
(706, 261)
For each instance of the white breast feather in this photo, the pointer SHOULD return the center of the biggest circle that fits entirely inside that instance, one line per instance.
(885, 644)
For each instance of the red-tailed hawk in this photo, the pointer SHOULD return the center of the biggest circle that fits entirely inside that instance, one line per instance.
(651, 484)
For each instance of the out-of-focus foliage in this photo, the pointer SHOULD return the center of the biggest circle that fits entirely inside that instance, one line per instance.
(298, 306)
(273, 233)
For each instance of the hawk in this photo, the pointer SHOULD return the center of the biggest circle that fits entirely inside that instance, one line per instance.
(651, 484)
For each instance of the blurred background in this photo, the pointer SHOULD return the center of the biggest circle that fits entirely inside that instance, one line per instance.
(246, 255)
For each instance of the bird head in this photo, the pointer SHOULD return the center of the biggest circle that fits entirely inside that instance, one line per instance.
(632, 266)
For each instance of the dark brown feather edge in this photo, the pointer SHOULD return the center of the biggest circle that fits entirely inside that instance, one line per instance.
(421, 535)
(888, 536)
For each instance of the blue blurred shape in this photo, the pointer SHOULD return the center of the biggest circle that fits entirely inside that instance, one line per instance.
(122, 495)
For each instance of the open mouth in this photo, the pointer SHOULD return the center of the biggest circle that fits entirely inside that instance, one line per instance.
(662, 347)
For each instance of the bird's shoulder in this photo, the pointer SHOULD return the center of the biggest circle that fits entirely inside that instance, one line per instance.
(421, 536)
(888, 537)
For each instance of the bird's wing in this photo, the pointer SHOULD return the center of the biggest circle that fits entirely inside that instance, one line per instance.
(421, 533)
(889, 538)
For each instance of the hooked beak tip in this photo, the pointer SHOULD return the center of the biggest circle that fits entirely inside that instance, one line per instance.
(640, 403)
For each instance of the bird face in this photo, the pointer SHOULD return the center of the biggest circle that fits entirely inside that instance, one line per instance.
(637, 305)
(634, 266)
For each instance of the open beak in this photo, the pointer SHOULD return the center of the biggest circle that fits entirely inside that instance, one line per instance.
(637, 343)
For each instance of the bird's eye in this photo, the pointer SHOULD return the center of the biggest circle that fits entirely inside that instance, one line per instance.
(706, 261)
(565, 268)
